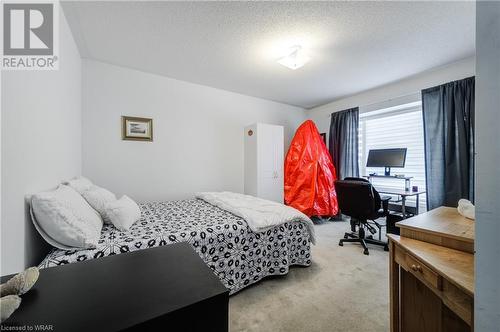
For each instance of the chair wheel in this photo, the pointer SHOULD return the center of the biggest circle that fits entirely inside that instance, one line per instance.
(341, 244)
(366, 252)
(386, 248)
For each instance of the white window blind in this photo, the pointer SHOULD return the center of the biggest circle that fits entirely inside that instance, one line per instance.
(395, 128)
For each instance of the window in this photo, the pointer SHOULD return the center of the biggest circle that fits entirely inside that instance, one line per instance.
(396, 127)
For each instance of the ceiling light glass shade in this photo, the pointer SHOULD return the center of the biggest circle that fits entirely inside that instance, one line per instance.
(296, 59)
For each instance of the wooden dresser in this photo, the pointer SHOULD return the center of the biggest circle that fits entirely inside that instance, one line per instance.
(432, 273)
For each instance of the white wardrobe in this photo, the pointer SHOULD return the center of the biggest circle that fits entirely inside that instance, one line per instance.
(264, 156)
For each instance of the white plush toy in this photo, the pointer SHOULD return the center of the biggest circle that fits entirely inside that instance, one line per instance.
(466, 209)
(10, 291)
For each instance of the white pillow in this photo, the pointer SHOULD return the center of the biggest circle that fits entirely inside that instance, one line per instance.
(123, 213)
(98, 198)
(79, 183)
(65, 219)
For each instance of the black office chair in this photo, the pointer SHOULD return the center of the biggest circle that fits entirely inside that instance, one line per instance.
(358, 199)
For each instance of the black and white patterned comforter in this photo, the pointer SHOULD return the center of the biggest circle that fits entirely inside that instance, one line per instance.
(238, 256)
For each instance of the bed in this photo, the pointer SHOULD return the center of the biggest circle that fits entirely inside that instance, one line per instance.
(236, 254)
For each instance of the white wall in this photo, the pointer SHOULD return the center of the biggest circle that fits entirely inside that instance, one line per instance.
(403, 91)
(41, 143)
(487, 271)
(198, 133)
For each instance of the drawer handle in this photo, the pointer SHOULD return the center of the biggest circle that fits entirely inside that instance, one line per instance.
(416, 268)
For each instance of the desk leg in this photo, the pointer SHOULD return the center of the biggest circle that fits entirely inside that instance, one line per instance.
(393, 289)
(403, 206)
(416, 207)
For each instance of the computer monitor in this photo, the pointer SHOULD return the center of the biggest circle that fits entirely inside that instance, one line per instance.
(386, 158)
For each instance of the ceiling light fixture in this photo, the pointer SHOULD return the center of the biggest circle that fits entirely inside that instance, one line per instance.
(295, 59)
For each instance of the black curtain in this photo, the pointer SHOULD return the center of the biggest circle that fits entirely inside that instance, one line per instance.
(448, 112)
(343, 142)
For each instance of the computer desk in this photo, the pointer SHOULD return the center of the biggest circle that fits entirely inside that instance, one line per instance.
(403, 194)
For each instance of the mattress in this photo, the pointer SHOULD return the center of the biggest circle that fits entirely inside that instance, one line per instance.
(238, 256)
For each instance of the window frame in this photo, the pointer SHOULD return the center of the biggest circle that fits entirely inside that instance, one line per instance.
(375, 114)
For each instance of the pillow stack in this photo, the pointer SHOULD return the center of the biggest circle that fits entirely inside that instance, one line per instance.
(72, 215)
(96, 196)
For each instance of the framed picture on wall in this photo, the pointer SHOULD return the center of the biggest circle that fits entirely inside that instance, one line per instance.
(137, 129)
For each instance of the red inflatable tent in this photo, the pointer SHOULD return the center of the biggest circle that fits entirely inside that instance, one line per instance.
(310, 174)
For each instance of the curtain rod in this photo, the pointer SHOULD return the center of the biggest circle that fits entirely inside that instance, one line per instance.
(378, 102)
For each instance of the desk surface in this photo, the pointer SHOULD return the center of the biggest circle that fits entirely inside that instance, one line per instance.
(442, 221)
(455, 265)
(395, 191)
(388, 176)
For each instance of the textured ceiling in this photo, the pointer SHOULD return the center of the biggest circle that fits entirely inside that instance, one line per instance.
(234, 46)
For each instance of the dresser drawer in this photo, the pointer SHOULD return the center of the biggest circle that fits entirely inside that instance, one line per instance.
(422, 271)
(417, 268)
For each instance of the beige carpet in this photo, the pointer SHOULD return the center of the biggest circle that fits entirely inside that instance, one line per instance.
(342, 290)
